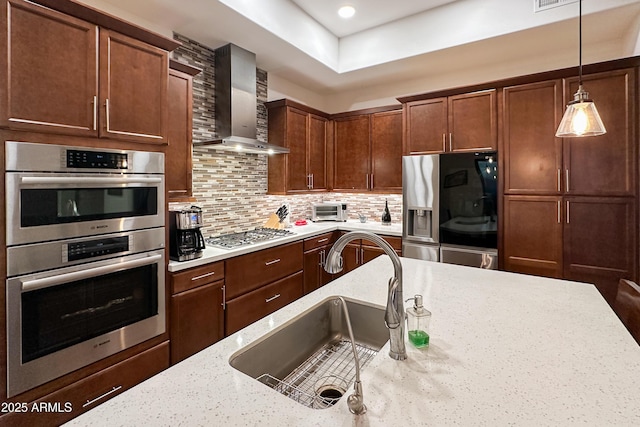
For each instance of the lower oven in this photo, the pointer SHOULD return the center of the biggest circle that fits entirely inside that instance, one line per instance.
(87, 299)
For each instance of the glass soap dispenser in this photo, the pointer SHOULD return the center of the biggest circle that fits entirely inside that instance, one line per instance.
(418, 319)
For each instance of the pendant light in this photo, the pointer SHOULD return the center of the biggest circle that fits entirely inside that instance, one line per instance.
(581, 117)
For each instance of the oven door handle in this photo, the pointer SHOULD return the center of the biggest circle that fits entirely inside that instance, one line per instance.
(87, 180)
(59, 279)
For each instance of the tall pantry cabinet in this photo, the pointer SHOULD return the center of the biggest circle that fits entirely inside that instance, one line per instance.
(570, 203)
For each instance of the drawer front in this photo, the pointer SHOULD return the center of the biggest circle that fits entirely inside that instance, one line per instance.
(395, 242)
(248, 272)
(197, 276)
(89, 392)
(321, 240)
(244, 310)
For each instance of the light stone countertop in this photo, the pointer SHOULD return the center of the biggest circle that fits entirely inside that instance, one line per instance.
(506, 349)
(211, 254)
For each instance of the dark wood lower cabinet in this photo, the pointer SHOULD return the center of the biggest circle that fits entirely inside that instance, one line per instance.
(197, 320)
(93, 390)
(533, 235)
(316, 250)
(600, 244)
(360, 252)
(246, 309)
(586, 239)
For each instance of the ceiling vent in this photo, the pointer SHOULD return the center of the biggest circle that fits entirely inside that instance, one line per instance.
(541, 5)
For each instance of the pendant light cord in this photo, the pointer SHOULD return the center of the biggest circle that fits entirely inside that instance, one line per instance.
(580, 42)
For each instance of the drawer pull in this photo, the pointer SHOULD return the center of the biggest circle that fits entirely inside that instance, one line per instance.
(276, 296)
(202, 276)
(272, 262)
(102, 396)
(323, 240)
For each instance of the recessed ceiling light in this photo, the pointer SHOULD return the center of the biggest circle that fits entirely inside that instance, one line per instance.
(346, 12)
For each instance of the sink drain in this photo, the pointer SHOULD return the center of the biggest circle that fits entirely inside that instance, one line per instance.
(329, 390)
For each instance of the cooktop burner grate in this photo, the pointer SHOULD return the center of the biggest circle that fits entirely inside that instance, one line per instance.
(236, 240)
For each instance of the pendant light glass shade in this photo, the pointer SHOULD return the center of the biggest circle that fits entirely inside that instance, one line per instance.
(581, 118)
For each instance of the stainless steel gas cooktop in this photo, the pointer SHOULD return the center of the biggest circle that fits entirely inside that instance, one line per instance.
(236, 240)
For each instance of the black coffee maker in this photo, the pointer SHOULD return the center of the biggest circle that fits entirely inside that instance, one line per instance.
(186, 240)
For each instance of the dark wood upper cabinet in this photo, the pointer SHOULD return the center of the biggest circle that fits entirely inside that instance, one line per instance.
(386, 151)
(297, 142)
(532, 153)
(352, 153)
(473, 121)
(50, 71)
(68, 76)
(426, 126)
(178, 155)
(304, 133)
(605, 164)
(464, 122)
(368, 150)
(317, 152)
(133, 89)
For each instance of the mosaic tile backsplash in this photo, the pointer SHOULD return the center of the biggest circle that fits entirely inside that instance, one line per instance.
(231, 188)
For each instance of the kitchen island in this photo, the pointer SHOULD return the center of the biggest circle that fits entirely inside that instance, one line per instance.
(506, 349)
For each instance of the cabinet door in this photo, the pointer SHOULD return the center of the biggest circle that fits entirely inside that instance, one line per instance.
(472, 121)
(351, 256)
(606, 164)
(533, 235)
(386, 151)
(197, 320)
(312, 274)
(532, 153)
(133, 89)
(426, 126)
(296, 140)
(352, 153)
(178, 172)
(317, 152)
(600, 241)
(50, 71)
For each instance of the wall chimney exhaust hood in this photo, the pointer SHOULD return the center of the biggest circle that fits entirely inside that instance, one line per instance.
(236, 105)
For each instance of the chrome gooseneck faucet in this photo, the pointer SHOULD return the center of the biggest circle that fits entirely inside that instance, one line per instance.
(394, 313)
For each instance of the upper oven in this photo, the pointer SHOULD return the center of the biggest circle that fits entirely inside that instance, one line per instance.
(59, 192)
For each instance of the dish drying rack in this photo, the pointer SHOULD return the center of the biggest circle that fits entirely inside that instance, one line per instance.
(321, 380)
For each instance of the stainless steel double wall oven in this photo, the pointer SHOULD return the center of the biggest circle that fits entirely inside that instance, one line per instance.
(85, 257)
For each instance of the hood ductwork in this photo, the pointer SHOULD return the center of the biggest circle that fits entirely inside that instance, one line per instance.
(236, 104)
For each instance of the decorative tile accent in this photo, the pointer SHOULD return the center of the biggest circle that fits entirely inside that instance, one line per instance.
(231, 188)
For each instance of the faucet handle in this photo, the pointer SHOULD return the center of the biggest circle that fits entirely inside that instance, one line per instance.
(391, 316)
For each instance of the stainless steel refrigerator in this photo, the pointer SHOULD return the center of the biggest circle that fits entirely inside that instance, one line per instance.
(450, 208)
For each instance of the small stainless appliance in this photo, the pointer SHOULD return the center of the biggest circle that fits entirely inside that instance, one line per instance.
(85, 257)
(329, 212)
(186, 241)
(450, 208)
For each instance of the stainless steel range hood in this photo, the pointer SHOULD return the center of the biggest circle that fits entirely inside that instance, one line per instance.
(236, 104)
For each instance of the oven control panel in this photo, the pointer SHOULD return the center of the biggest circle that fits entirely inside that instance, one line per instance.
(95, 248)
(96, 160)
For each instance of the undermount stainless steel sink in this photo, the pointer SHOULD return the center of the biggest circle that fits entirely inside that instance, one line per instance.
(310, 357)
